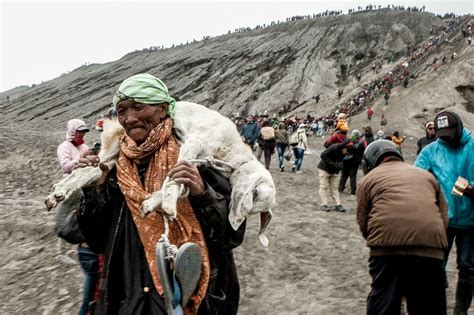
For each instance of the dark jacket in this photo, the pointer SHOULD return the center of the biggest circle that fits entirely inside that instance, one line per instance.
(423, 142)
(107, 225)
(355, 156)
(331, 158)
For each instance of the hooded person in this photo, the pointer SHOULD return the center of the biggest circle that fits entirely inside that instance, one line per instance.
(450, 159)
(428, 138)
(136, 278)
(74, 153)
(74, 147)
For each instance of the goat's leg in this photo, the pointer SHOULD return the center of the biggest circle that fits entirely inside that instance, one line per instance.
(79, 178)
(151, 204)
(170, 191)
(265, 218)
(170, 195)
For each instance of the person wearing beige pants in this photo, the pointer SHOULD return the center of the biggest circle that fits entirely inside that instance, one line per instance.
(328, 187)
(329, 167)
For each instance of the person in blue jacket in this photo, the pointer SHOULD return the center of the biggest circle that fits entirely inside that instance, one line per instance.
(250, 131)
(452, 156)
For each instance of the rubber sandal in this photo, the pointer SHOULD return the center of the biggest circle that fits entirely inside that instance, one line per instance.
(187, 270)
(164, 273)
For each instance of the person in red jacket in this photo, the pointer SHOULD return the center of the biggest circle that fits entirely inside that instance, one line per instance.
(370, 113)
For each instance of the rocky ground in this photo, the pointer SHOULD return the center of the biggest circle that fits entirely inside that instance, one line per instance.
(316, 262)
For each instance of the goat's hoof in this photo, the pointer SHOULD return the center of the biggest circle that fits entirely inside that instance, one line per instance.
(146, 208)
(50, 203)
(59, 195)
(263, 239)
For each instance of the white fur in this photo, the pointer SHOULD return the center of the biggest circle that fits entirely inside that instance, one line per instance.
(203, 133)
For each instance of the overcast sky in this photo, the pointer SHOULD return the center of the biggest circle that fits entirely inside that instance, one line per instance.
(41, 40)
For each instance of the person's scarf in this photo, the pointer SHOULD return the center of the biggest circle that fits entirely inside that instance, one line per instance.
(161, 149)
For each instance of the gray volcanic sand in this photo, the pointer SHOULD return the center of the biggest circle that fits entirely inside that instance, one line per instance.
(316, 262)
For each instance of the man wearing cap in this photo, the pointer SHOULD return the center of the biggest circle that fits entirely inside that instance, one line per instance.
(429, 138)
(451, 160)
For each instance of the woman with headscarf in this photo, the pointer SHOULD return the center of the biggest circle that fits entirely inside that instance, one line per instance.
(110, 217)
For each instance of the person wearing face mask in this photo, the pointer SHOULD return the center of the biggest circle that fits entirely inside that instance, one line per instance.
(448, 158)
(429, 138)
(72, 154)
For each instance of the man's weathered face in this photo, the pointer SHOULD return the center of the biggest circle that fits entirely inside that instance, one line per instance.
(139, 119)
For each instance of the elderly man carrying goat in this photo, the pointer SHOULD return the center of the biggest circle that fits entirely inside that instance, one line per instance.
(202, 277)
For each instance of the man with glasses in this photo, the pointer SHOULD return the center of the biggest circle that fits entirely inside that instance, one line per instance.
(430, 137)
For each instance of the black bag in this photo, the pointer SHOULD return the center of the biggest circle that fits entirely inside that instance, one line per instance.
(66, 226)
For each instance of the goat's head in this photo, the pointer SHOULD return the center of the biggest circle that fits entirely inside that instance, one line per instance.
(254, 194)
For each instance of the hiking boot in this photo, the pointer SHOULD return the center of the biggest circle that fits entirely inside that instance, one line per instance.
(324, 208)
(282, 168)
(339, 208)
(298, 172)
(293, 168)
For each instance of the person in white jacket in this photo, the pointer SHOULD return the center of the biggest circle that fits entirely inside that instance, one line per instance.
(298, 150)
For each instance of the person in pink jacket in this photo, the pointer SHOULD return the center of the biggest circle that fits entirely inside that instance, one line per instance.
(72, 154)
(73, 149)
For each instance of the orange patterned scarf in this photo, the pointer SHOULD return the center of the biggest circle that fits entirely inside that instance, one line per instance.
(161, 149)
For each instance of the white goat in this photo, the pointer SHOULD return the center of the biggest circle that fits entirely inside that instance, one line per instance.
(205, 137)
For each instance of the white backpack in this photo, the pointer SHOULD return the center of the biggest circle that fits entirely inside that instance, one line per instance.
(294, 139)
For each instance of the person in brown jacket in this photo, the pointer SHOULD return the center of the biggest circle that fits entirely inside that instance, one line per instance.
(402, 213)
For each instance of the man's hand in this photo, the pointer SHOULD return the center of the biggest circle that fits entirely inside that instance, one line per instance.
(469, 192)
(187, 174)
(105, 174)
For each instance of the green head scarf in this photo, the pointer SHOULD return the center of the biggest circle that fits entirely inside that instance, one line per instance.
(146, 89)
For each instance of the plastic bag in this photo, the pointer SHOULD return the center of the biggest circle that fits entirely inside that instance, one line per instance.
(288, 154)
